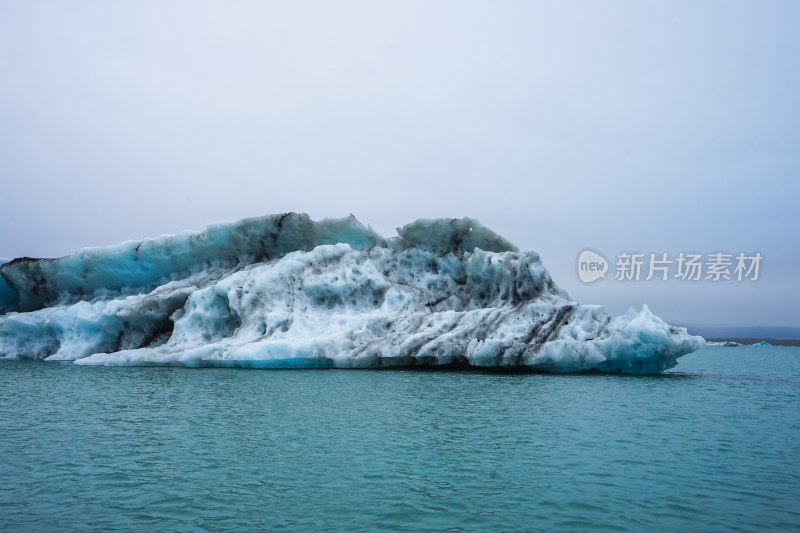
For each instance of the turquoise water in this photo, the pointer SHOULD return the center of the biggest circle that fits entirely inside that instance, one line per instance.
(713, 446)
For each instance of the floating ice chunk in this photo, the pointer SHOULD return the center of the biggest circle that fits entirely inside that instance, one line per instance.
(300, 294)
(725, 344)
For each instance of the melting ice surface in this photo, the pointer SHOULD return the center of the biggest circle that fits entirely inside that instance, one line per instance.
(284, 291)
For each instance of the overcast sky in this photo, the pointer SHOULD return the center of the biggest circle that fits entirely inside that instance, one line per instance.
(641, 126)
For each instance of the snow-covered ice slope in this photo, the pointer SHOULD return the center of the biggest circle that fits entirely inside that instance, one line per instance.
(283, 291)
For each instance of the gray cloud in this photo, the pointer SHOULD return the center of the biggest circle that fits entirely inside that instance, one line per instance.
(621, 126)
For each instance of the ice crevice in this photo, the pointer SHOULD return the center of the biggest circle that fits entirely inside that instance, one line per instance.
(284, 291)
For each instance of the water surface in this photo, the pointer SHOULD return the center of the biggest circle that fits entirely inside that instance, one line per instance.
(711, 446)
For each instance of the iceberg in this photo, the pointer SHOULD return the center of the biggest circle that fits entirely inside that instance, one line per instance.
(284, 291)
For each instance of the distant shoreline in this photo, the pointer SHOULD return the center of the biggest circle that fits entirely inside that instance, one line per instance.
(749, 340)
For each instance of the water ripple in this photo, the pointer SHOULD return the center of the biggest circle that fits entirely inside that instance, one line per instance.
(710, 447)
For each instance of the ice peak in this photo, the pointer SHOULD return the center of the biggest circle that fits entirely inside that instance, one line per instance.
(451, 235)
